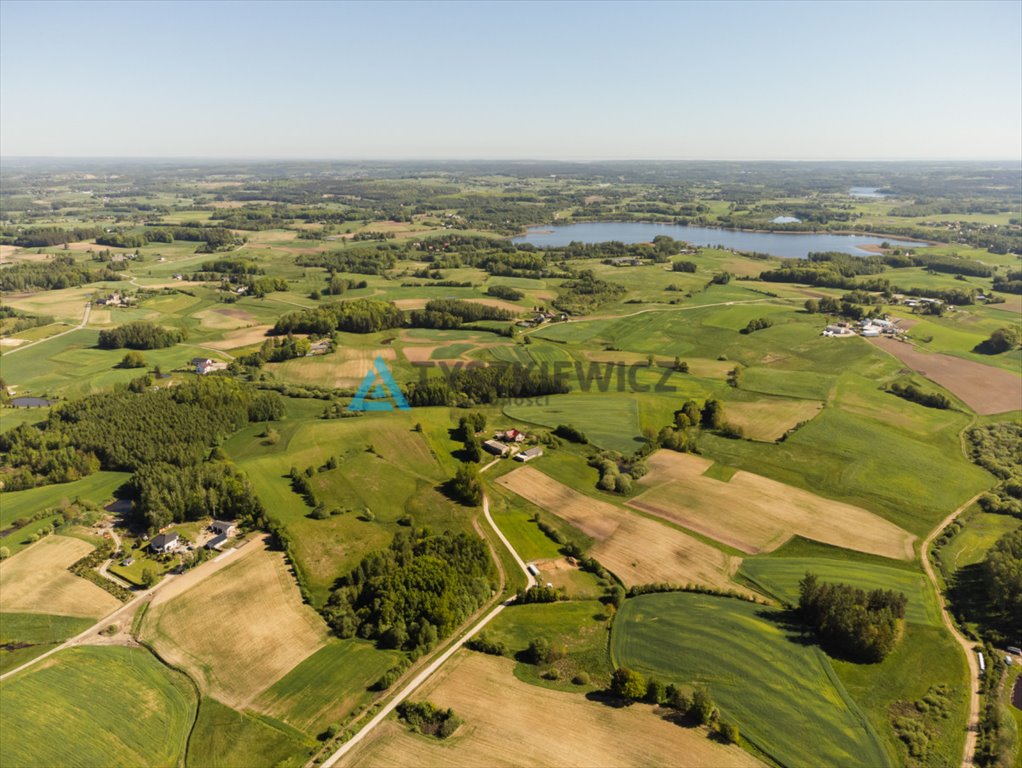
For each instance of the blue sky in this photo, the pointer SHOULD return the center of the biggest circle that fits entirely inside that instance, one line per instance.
(725, 80)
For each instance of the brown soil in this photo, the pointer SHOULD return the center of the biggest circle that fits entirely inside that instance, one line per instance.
(985, 389)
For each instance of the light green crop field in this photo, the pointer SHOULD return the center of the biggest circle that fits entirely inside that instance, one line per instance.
(969, 546)
(770, 685)
(97, 488)
(610, 420)
(326, 686)
(399, 477)
(779, 577)
(580, 626)
(23, 636)
(90, 692)
(226, 738)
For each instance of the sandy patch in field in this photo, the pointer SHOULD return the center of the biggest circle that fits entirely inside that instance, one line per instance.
(755, 514)
(6, 251)
(770, 419)
(242, 337)
(100, 317)
(418, 355)
(638, 550)
(410, 303)
(16, 254)
(512, 723)
(10, 341)
(238, 630)
(36, 580)
(983, 388)
(83, 246)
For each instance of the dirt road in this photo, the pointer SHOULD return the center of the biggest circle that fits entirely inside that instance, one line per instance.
(430, 670)
(972, 725)
(85, 321)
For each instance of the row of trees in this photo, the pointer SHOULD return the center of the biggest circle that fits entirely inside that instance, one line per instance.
(916, 394)
(356, 316)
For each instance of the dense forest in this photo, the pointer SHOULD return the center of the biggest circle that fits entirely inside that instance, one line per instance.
(850, 622)
(414, 593)
(138, 334)
(162, 436)
(356, 316)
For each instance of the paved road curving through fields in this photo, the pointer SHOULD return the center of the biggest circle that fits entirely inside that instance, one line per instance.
(972, 725)
(428, 672)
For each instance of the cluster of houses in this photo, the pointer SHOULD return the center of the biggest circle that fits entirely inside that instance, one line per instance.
(542, 317)
(870, 327)
(511, 443)
(168, 543)
(116, 300)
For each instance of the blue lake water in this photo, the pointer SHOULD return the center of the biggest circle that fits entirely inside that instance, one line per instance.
(786, 244)
(866, 192)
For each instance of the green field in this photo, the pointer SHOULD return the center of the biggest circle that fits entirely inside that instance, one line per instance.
(96, 488)
(95, 693)
(579, 626)
(608, 420)
(326, 686)
(23, 636)
(399, 476)
(226, 738)
(979, 532)
(757, 673)
(779, 577)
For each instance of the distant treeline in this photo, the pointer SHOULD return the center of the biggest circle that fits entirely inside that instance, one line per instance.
(47, 237)
(213, 238)
(52, 275)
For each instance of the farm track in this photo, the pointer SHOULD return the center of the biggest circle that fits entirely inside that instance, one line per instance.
(180, 582)
(80, 326)
(972, 725)
(435, 665)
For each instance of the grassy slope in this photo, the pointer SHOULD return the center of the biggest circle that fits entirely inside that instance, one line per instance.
(226, 738)
(780, 577)
(39, 632)
(757, 673)
(90, 691)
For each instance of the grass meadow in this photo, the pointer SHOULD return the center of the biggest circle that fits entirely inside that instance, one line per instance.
(115, 707)
(757, 673)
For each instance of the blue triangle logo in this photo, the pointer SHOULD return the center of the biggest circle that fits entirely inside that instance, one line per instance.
(379, 391)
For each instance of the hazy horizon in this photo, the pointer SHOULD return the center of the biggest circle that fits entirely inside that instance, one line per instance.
(571, 82)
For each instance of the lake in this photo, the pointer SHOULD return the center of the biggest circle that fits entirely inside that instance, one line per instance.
(789, 245)
(866, 192)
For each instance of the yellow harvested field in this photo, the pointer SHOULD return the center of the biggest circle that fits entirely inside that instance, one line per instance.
(638, 550)
(240, 629)
(36, 580)
(242, 337)
(410, 303)
(770, 419)
(511, 723)
(755, 514)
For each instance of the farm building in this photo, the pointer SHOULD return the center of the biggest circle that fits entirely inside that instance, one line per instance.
(217, 542)
(496, 448)
(165, 542)
(528, 455)
(532, 569)
(204, 365)
(511, 436)
(224, 527)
